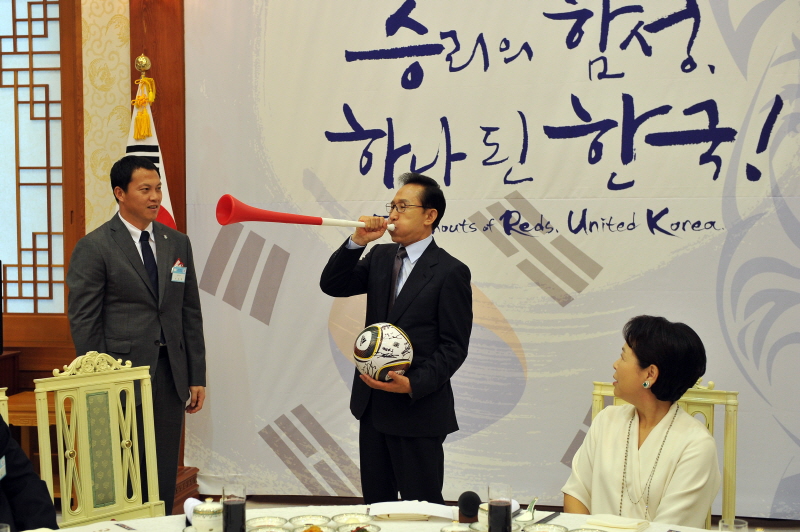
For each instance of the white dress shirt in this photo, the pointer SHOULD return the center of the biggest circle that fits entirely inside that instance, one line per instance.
(136, 233)
(413, 253)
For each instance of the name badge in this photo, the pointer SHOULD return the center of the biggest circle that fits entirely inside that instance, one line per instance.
(178, 272)
(2, 468)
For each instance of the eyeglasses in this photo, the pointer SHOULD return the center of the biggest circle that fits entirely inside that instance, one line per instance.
(400, 207)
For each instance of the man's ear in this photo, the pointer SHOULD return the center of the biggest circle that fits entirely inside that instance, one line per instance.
(118, 193)
(430, 216)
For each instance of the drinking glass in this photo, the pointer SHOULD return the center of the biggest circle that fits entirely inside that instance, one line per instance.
(233, 499)
(733, 525)
(499, 507)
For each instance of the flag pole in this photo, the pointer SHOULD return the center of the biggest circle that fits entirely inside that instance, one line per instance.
(142, 137)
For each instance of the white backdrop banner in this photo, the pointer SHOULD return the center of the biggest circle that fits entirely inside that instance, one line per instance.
(601, 159)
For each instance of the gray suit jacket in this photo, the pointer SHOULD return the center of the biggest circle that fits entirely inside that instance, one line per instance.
(113, 308)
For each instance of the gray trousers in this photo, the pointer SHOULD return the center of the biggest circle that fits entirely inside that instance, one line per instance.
(168, 413)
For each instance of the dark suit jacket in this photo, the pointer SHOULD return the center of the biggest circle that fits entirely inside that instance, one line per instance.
(25, 503)
(113, 308)
(434, 308)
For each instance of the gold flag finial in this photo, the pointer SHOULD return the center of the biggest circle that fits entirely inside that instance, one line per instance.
(144, 96)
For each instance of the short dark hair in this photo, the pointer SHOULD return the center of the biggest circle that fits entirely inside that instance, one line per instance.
(123, 170)
(674, 348)
(432, 196)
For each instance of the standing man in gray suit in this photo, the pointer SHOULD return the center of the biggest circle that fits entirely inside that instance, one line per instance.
(133, 294)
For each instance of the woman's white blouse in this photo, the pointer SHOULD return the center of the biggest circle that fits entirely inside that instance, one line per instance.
(685, 482)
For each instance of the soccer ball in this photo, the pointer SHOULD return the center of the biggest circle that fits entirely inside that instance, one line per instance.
(381, 348)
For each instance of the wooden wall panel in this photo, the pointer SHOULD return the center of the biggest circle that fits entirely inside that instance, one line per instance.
(72, 127)
(157, 32)
(39, 363)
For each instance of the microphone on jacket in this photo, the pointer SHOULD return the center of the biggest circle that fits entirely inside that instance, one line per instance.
(468, 504)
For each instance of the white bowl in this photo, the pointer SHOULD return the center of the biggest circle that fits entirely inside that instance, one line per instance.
(483, 511)
(351, 518)
(480, 527)
(323, 528)
(367, 527)
(309, 520)
(303, 528)
(267, 520)
(544, 527)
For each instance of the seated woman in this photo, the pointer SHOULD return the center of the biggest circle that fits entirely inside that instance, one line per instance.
(649, 459)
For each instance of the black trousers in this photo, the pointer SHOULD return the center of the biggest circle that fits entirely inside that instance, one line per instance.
(414, 467)
(168, 413)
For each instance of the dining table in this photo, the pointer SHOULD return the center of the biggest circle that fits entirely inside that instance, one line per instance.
(176, 523)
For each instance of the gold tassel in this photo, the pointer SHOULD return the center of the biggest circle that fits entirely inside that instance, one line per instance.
(150, 85)
(141, 126)
(145, 95)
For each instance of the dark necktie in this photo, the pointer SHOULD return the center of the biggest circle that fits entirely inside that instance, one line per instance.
(398, 265)
(149, 260)
(152, 269)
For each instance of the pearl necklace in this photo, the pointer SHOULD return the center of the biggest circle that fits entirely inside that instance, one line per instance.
(650, 478)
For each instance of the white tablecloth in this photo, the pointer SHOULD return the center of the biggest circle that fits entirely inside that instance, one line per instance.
(176, 523)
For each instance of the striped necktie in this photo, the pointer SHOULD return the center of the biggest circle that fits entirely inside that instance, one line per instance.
(398, 265)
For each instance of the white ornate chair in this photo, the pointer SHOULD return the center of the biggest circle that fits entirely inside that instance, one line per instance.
(699, 400)
(98, 445)
(4, 404)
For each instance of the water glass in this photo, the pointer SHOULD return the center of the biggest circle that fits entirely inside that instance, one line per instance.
(499, 507)
(233, 506)
(733, 525)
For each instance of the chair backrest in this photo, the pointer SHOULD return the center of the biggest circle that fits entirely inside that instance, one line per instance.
(4, 404)
(98, 445)
(699, 400)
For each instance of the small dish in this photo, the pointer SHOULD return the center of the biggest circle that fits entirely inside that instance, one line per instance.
(544, 527)
(310, 520)
(351, 519)
(266, 528)
(267, 520)
(359, 527)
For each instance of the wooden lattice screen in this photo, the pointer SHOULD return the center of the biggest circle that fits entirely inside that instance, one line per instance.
(31, 157)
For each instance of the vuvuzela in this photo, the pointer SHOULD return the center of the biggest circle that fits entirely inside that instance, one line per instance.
(230, 211)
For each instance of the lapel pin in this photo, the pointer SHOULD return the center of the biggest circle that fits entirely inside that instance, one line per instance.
(165, 237)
